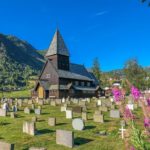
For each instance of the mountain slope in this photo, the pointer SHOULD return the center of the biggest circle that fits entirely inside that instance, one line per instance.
(18, 60)
(20, 51)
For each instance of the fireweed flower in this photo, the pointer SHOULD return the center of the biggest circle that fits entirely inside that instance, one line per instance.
(146, 122)
(132, 148)
(148, 101)
(128, 113)
(117, 94)
(135, 93)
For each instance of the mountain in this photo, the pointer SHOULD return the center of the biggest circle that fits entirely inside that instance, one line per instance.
(42, 52)
(18, 60)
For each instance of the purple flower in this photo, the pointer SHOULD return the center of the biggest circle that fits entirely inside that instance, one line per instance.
(117, 94)
(148, 101)
(146, 122)
(135, 93)
(132, 148)
(128, 113)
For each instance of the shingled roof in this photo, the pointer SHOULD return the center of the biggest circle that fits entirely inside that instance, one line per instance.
(57, 46)
(76, 71)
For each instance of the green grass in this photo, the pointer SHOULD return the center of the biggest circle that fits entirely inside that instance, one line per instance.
(16, 94)
(84, 140)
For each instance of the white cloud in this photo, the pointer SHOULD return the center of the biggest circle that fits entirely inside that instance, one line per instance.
(101, 13)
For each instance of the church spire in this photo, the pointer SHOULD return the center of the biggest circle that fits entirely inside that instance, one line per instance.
(57, 46)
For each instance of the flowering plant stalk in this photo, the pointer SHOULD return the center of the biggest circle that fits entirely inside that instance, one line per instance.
(135, 93)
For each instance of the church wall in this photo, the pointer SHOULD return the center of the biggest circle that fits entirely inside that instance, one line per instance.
(50, 74)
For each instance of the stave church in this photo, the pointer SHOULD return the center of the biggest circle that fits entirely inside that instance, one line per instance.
(60, 78)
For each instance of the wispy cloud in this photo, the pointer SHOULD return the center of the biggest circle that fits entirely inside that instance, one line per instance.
(101, 13)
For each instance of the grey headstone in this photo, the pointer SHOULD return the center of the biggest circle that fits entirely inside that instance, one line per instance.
(52, 121)
(84, 116)
(37, 148)
(27, 110)
(3, 112)
(114, 114)
(13, 115)
(77, 109)
(65, 138)
(6, 146)
(98, 118)
(29, 128)
(37, 111)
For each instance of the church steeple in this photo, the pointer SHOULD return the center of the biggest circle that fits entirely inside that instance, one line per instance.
(58, 52)
(57, 46)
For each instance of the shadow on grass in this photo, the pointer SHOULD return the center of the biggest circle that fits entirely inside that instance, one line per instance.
(4, 123)
(81, 141)
(45, 113)
(89, 127)
(40, 120)
(107, 120)
(61, 124)
(44, 131)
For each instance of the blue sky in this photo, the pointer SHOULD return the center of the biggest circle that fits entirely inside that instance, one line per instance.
(112, 30)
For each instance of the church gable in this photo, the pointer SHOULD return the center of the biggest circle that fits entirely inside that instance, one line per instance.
(49, 73)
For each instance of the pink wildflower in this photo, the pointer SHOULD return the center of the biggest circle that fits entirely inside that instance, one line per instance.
(117, 94)
(148, 101)
(132, 148)
(146, 122)
(135, 93)
(128, 113)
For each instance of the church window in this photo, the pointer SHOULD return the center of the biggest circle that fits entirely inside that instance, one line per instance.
(47, 76)
(88, 83)
(82, 83)
(76, 83)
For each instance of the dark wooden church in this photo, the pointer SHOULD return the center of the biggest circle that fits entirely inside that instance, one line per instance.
(60, 78)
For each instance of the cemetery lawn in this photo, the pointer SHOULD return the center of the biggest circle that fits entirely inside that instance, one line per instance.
(16, 94)
(88, 139)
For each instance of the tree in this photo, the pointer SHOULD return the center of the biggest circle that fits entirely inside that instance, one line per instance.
(96, 69)
(146, 1)
(135, 74)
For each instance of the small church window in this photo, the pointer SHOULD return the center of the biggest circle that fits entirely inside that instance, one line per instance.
(47, 75)
(88, 83)
(82, 83)
(76, 83)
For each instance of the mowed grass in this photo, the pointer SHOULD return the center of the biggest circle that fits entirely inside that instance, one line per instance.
(88, 139)
(16, 94)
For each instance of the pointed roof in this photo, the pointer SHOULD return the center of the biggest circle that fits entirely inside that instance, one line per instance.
(57, 46)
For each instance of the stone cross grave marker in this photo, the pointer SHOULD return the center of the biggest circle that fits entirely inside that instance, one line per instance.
(122, 132)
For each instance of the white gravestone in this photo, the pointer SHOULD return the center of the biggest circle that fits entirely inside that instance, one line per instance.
(99, 102)
(78, 124)
(69, 114)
